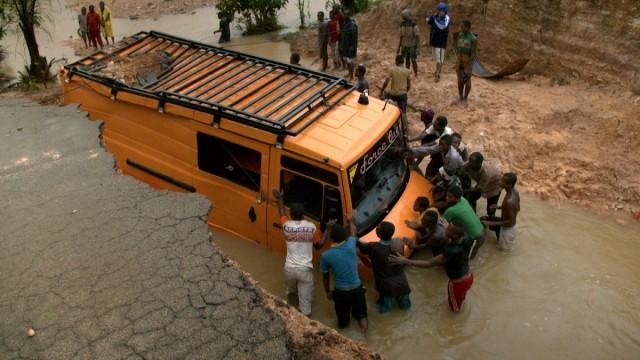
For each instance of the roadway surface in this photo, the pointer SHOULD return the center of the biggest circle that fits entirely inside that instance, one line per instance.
(103, 267)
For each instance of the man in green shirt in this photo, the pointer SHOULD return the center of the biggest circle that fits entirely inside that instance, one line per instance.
(462, 211)
(466, 44)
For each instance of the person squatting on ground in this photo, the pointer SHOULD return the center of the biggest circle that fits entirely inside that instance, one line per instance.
(349, 42)
(462, 211)
(323, 40)
(399, 84)
(333, 28)
(487, 178)
(107, 23)
(455, 258)
(505, 226)
(466, 44)
(341, 260)
(438, 36)
(224, 28)
(390, 280)
(93, 25)
(409, 41)
(83, 30)
(301, 238)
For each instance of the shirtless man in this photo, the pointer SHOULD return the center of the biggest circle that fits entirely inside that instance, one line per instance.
(505, 227)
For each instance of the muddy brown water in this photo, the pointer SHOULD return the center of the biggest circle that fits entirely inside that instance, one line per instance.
(569, 289)
(60, 30)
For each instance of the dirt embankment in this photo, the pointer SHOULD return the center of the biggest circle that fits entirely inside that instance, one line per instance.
(145, 9)
(568, 125)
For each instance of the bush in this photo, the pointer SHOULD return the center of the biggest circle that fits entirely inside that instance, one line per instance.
(355, 6)
(258, 16)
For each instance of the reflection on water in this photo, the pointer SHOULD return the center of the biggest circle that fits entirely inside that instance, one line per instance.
(60, 26)
(569, 289)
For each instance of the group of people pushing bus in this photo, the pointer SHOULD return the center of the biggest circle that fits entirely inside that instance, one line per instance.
(447, 224)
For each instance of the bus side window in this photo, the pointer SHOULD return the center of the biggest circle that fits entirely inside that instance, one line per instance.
(302, 190)
(230, 161)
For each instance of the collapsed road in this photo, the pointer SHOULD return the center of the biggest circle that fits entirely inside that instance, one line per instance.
(101, 266)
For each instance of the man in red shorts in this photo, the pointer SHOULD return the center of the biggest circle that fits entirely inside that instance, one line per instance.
(455, 258)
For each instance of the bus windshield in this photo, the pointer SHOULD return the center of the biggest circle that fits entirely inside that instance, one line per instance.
(377, 179)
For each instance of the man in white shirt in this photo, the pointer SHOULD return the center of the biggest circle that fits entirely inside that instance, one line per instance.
(434, 131)
(301, 237)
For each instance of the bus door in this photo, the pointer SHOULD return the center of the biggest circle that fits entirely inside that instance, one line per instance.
(232, 173)
(315, 186)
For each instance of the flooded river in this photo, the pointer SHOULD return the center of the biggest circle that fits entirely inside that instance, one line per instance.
(60, 26)
(569, 289)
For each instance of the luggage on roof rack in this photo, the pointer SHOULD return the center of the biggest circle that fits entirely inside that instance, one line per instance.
(273, 96)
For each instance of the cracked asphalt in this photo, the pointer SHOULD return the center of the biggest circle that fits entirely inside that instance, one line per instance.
(103, 267)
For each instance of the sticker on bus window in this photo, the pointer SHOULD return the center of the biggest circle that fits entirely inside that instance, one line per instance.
(372, 156)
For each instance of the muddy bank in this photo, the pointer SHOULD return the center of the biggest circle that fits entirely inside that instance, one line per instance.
(568, 140)
(101, 266)
(145, 9)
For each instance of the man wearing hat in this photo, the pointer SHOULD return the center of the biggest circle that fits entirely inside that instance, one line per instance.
(439, 23)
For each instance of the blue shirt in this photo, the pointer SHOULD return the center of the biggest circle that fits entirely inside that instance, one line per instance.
(343, 262)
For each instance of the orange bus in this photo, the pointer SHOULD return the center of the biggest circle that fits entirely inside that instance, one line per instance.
(188, 116)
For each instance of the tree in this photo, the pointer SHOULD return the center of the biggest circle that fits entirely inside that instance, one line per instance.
(258, 16)
(303, 8)
(26, 14)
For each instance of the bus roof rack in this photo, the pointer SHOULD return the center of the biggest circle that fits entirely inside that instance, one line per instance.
(280, 98)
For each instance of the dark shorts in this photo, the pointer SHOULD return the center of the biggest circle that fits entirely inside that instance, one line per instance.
(387, 302)
(350, 303)
(401, 100)
(410, 52)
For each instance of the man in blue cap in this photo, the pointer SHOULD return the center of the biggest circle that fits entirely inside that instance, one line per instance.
(439, 23)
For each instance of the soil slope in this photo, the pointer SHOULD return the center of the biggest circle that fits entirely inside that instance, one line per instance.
(568, 125)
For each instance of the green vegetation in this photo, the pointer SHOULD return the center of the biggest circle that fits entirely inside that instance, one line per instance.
(258, 16)
(355, 6)
(26, 15)
(303, 9)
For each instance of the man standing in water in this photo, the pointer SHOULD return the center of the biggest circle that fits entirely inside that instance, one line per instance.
(224, 28)
(390, 279)
(487, 178)
(466, 44)
(349, 42)
(301, 237)
(106, 21)
(462, 211)
(82, 24)
(505, 226)
(323, 40)
(348, 293)
(439, 23)
(455, 258)
(409, 41)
